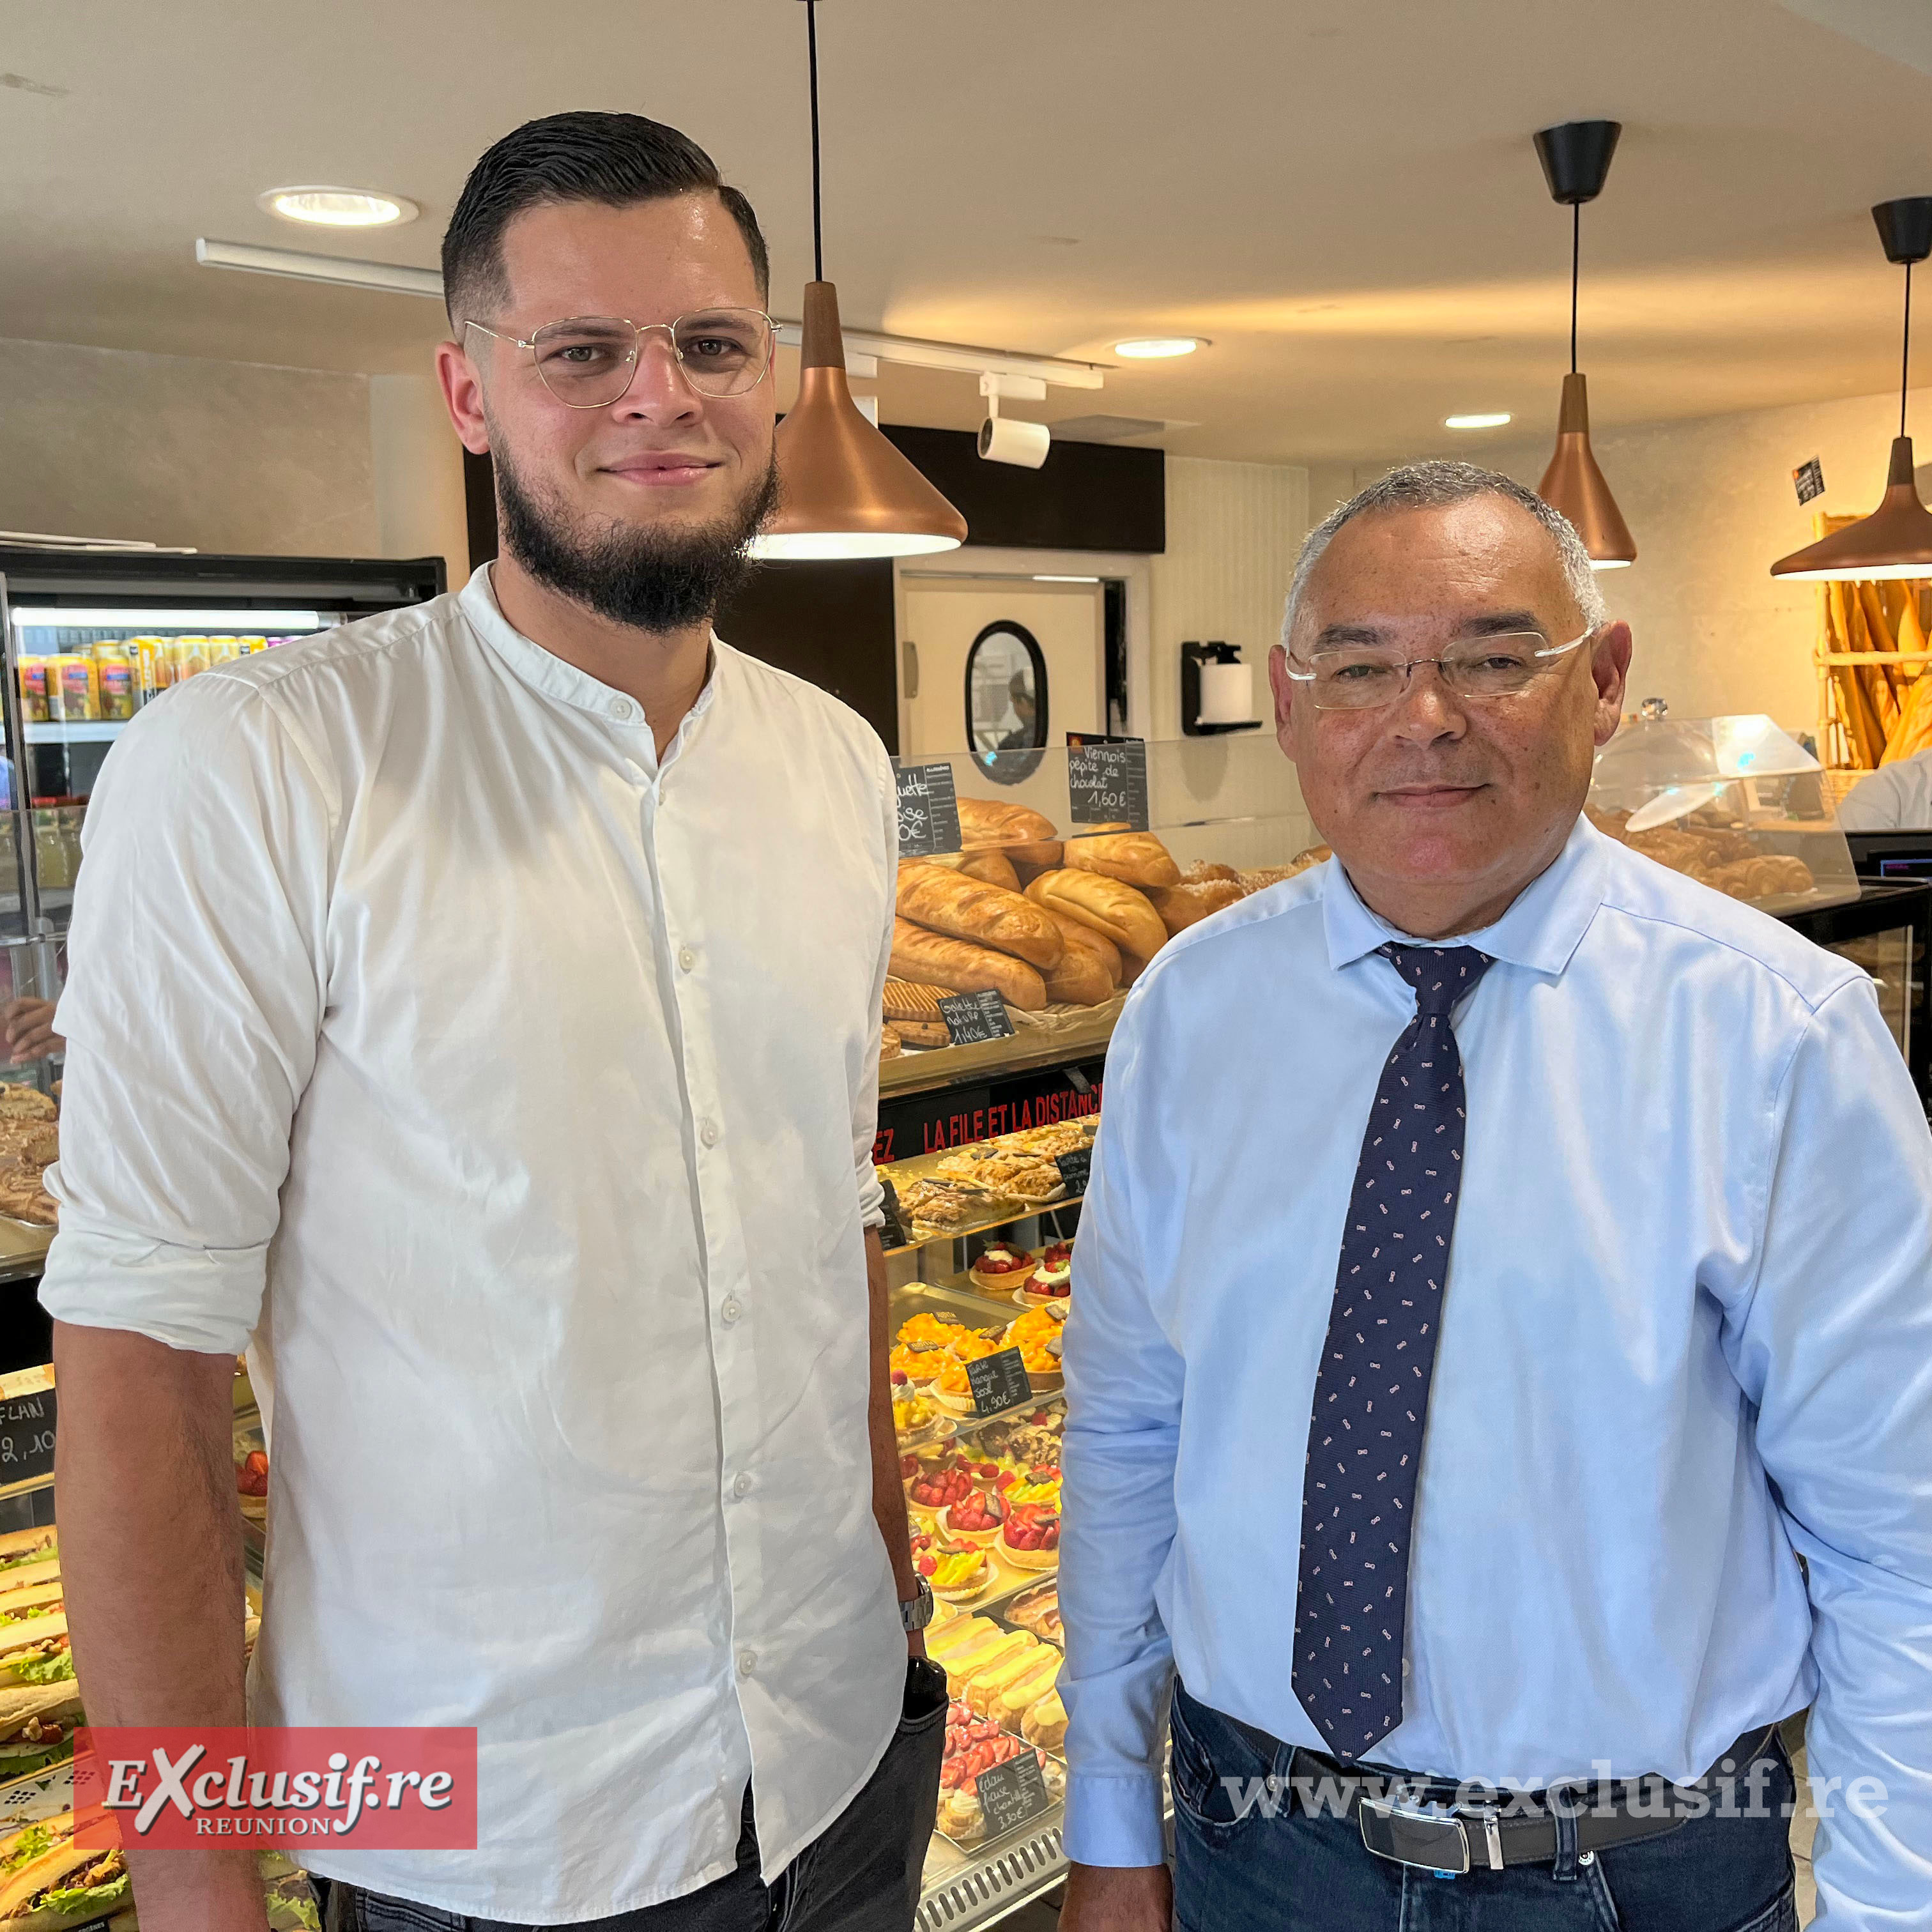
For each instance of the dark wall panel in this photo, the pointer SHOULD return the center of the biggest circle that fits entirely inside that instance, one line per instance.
(829, 623)
(1086, 496)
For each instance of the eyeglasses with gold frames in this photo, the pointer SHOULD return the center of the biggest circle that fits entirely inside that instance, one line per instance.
(1360, 677)
(589, 361)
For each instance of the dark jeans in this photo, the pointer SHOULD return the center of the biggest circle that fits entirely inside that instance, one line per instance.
(861, 1874)
(1298, 1872)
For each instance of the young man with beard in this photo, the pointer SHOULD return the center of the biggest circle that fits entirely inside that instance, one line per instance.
(475, 1010)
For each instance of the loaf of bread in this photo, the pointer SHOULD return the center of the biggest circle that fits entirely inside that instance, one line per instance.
(930, 959)
(1126, 916)
(1134, 858)
(905, 1001)
(1089, 972)
(1202, 870)
(1182, 906)
(1023, 836)
(990, 864)
(966, 908)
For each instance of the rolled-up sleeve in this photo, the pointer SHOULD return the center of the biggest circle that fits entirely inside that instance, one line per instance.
(1834, 1348)
(195, 988)
(1123, 1391)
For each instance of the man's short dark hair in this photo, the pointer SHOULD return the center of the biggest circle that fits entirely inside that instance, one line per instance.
(617, 159)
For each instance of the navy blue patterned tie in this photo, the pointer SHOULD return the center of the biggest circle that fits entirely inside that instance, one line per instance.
(1371, 1391)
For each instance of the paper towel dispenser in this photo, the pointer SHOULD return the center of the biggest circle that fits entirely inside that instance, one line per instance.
(1217, 690)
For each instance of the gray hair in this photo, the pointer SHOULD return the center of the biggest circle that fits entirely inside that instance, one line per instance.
(1434, 486)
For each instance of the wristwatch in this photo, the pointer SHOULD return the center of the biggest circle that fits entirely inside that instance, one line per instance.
(916, 1612)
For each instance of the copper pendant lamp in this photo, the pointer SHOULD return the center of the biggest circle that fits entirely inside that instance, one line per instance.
(845, 491)
(1896, 539)
(1575, 159)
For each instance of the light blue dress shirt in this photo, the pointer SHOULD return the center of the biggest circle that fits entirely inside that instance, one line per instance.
(1692, 1258)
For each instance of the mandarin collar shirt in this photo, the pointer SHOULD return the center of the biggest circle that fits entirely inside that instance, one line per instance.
(512, 1096)
(1686, 1338)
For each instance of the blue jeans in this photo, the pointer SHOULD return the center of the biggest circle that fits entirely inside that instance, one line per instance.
(1298, 1872)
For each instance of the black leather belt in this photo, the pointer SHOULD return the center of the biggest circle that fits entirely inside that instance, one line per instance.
(1415, 1820)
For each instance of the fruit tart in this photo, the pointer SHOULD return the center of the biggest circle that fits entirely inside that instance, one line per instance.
(916, 1417)
(927, 1326)
(999, 1268)
(951, 1389)
(976, 1518)
(918, 1362)
(1030, 1539)
(1044, 1284)
(936, 1484)
(960, 1572)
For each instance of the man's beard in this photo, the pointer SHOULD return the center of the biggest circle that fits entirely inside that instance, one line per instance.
(652, 580)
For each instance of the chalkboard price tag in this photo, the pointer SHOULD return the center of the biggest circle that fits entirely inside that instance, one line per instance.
(1076, 1169)
(1107, 781)
(27, 1436)
(976, 1016)
(928, 811)
(894, 1232)
(1808, 480)
(1012, 1794)
(998, 1382)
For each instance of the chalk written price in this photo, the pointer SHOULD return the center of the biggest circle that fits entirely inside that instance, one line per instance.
(1107, 781)
(928, 811)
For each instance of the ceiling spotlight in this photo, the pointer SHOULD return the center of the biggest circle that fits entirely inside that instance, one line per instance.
(337, 207)
(1154, 348)
(1493, 419)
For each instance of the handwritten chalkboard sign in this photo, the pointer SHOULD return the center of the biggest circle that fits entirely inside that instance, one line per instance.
(27, 1436)
(998, 1382)
(976, 1016)
(1076, 1169)
(893, 1234)
(1012, 1794)
(928, 811)
(1107, 781)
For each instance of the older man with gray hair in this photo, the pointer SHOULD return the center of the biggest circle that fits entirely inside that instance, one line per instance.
(1505, 1260)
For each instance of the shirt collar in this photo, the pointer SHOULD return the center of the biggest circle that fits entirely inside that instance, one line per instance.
(1544, 926)
(549, 674)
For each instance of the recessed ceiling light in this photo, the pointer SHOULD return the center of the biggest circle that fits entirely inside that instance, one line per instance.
(1491, 419)
(337, 207)
(1152, 348)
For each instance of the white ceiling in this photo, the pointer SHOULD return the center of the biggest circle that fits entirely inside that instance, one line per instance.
(1343, 195)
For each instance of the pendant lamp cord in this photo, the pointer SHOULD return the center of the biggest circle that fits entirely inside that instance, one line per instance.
(1576, 264)
(817, 220)
(1905, 371)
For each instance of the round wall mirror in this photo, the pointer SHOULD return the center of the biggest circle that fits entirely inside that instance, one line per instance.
(1006, 702)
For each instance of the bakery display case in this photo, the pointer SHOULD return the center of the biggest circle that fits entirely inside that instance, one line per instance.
(1734, 803)
(980, 1251)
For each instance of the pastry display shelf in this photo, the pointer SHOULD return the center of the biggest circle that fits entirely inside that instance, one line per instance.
(1001, 1210)
(23, 1249)
(1084, 1035)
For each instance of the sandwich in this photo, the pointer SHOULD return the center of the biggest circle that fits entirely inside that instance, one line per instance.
(67, 1885)
(19, 1546)
(34, 1646)
(37, 1726)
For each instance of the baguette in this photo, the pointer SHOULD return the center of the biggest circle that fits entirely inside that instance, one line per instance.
(964, 908)
(1115, 911)
(1134, 858)
(992, 866)
(1180, 907)
(928, 959)
(1024, 837)
(1089, 972)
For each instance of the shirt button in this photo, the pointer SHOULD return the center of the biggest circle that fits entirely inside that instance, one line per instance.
(707, 1131)
(730, 1313)
(748, 1662)
(686, 958)
(742, 1484)
(620, 707)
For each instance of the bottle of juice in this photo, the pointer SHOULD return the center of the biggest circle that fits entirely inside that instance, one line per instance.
(116, 676)
(194, 656)
(79, 687)
(34, 690)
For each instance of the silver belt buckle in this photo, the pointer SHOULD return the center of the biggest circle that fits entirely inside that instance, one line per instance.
(1430, 1837)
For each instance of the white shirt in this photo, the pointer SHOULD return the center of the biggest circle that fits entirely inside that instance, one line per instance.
(516, 1096)
(1896, 797)
(1692, 1258)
